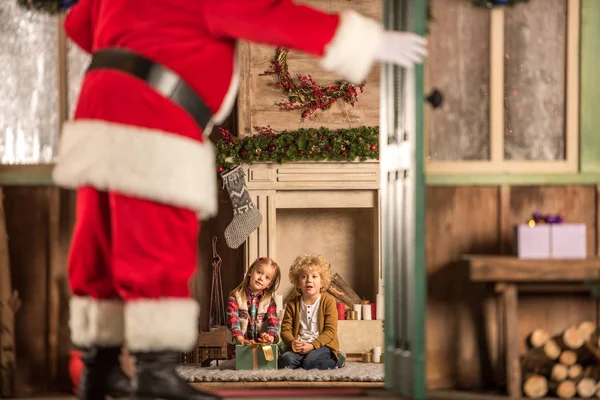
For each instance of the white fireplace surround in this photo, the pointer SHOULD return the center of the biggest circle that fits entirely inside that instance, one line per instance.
(306, 185)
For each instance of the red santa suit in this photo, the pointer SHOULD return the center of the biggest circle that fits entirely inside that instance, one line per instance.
(144, 170)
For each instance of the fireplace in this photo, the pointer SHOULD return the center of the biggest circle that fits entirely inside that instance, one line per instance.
(329, 208)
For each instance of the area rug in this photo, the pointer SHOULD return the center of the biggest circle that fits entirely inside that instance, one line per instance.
(352, 372)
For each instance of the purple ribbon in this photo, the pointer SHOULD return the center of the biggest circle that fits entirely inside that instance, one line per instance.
(539, 218)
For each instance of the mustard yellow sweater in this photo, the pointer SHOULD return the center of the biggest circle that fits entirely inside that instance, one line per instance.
(328, 323)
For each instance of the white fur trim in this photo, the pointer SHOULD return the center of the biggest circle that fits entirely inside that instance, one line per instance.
(163, 324)
(151, 164)
(228, 101)
(79, 320)
(96, 322)
(352, 50)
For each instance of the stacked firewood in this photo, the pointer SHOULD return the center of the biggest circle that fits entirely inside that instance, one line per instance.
(566, 365)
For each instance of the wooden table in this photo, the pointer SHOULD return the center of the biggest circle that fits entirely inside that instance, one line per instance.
(511, 274)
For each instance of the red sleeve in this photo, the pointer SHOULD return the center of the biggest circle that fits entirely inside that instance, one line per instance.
(78, 25)
(346, 42)
(275, 22)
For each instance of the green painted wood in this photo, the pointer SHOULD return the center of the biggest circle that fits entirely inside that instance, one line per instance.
(590, 87)
(26, 175)
(419, 273)
(525, 179)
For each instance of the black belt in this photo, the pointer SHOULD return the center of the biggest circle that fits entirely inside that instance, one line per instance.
(162, 79)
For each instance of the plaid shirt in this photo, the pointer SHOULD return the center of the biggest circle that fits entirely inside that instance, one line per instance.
(252, 333)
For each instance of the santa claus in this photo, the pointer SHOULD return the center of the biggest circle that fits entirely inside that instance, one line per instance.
(163, 74)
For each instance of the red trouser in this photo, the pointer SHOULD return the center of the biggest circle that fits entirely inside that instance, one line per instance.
(131, 248)
(130, 264)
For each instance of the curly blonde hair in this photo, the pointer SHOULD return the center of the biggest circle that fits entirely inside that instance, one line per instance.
(310, 263)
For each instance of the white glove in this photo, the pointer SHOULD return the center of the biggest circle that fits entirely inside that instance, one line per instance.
(401, 48)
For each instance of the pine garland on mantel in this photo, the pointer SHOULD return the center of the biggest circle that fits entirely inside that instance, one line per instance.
(319, 144)
(57, 6)
(496, 3)
(47, 6)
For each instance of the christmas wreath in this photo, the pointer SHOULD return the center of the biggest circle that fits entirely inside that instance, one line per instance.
(319, 144)
(304, 93)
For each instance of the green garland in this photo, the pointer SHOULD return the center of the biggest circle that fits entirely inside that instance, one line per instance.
(495, 3)
(44, 6)
(320, 144)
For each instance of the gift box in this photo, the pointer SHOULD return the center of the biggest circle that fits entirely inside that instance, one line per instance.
(256, 356)
(568, 241)
(533, 242)
(552, 240)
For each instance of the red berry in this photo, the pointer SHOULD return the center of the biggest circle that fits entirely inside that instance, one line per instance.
(373, 147)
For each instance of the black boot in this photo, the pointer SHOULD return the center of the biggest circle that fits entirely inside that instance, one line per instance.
(102, 375)
(157, 379)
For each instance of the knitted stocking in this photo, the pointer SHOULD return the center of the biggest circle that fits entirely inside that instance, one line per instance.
(246, 217)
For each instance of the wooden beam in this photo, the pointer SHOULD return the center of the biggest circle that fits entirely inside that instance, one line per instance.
(572, 81)
(62, 74)
(590, 86)
(496, 88)
(597, 221)
(244, 103)
(505, 226)
(55, 271)
(8, 306)
(513, 366)
(512, 269)
(450, 179)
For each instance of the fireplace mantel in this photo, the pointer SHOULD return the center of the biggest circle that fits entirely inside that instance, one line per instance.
(306, 185)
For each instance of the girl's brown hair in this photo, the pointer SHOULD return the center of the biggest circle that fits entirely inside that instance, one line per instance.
(243, 287)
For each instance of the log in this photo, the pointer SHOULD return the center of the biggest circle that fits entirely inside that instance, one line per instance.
(588, 353)
(343, 292)
(567, 357)
(592, 371)
(569, 339)
(586, 388)
(555, 371)
(537, 359)
(586, 329)
(535, 386)
(559, 372)
(574, 372)
(564, 389)
(537, 338)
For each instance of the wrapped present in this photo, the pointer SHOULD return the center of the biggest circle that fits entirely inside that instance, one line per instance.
(256, 356)
(533, 241)
(546, 236)
(568, 241)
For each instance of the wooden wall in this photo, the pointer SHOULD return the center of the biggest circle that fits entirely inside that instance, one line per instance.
(258, 95)
(461, 334)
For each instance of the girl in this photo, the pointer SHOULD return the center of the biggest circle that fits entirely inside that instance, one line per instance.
(251, 309)
(310, 321)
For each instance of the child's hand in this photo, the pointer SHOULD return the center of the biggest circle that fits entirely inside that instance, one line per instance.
(296, 343)
(305, 348)
(241, 340)
(266, 338)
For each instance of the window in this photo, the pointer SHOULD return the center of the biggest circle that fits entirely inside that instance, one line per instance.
(510, 79)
